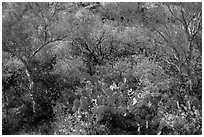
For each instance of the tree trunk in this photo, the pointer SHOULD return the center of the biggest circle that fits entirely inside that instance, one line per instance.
(32, 87)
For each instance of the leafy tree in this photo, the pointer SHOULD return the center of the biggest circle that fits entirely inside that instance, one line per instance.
(27, 29)
(178, 25)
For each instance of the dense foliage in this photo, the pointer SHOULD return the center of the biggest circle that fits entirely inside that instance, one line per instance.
(95, 68)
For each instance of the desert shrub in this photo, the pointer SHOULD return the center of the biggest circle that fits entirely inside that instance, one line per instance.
(78, 123)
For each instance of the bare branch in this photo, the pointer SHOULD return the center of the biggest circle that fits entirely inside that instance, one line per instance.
(170, 63)
(162, 35)
(55, 11)
(84, 44)
(173, 13)
(100, 41)
(184, 22)
(38, 49)
(42, 14)
(191, 19)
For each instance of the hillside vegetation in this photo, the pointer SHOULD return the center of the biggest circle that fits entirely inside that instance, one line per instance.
(97, 68)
